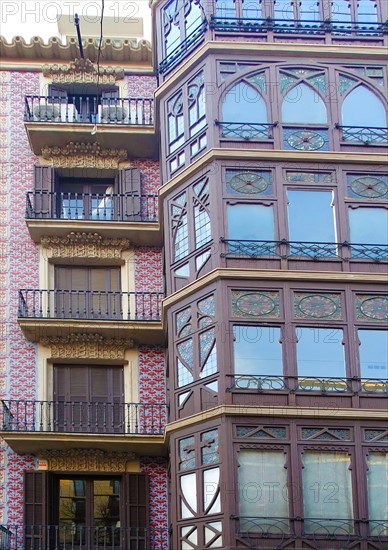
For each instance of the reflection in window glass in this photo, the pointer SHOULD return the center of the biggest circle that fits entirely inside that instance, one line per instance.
(257, 350)
(283, 10)
(309, 10)
(340, 10)
(225, 9)
(327, 492)
(262, 490)
(250, 222)
(244, 104)
(252, 9)
(367, 11)
(373, 353)
(303, 105)
(320, 352)
(377, 477)
(363, 108)
(311, 216)
(368, 225)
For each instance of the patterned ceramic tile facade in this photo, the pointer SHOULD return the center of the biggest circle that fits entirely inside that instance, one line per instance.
(18, 269)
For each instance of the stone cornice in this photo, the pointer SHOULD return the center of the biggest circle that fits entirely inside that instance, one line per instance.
(87, 346)
(84, 155)
(86, 460)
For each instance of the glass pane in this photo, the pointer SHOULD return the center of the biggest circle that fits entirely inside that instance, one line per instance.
(252, 9)
(367, 11)
(327, 492)
(262, 489)
(225, 9)
(72, 510)
(303, 105)
(257, 351)
(250, 222)
(377, 478)
(373, 353)
(283, 10)
(368, 225)
(340, 10)
(311, 216)
(243, 103)
(193, 18)
(320, 352)
(363, 108)
(309, 10)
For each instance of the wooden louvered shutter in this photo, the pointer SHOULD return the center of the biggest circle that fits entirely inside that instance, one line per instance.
(71, 398)
(44, 185)
(35, 509)
(129, 185)
(72, 284)
(137, 514)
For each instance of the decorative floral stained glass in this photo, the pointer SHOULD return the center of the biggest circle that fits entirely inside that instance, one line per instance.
(300, 72)
(259, 80)
(309, 177)
(317, 306)
(185, 362)
(376, 435)
(286, 81)
(207, 306)
(262, 432)
(372, 308)
(208, 353)
(346, 83)
(210, 450)
(183, 322)
(368, 186)
(332, 434)
(255, 304)
(306, 140)
(248, 182)
(319, 82)
(187, 453)
(179, 226)
(202, 226)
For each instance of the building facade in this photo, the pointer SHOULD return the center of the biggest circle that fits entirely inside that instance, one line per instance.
(194, 300)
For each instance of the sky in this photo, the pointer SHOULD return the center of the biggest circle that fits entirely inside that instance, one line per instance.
(28, 18)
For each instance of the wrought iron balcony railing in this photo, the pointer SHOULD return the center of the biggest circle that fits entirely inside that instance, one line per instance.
(348, 531)
(296, 26)
(88, 304)
(91, 109)
(82, 417)
(75, 536)
(364, 134)
(91, 206)
(321, 384)
(184, 48)
(246, 130)
(292, 249)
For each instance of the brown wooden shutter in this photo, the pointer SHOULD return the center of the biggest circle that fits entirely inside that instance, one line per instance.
(71, 388)
(129, 184)
(44, 177)
(136, 494)
(35, 509)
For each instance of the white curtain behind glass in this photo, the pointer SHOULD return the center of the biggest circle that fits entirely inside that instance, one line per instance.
(262, 483)
(377, 477)
(327, 492)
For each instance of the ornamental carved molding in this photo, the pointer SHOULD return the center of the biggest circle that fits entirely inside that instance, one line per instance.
(82, 71)
(84, 155)
(86, 460)
(87, 346)
(85, 245)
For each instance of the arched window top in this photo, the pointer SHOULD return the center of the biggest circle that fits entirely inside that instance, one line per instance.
(303, 105)
(243, 103)
(361, 107)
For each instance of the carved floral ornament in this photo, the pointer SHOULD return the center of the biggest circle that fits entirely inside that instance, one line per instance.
(87, 460)
(87, 346)
(84, 155)
(85, 245)
(82, 71)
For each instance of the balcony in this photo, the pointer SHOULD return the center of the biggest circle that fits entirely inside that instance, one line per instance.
(79, 537)
(58, 214)
(268, 532)
(50, 312)
(299, 255)
(287, 390)
(120, 123)
(363, 135)
(24, 424)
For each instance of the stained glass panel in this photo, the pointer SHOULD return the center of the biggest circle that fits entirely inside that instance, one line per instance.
(317, 306)
(207, 306)
(248, 182)
(319, 82)
(328, 435)
(210, 451)
(257, 304)
(346, 83)
(378, 435)
(183, 319)
(367, 186)
(259, 80)
(264, 432)
(309, 177)
(187, 453)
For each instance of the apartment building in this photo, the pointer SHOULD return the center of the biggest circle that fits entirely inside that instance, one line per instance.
(194, 300)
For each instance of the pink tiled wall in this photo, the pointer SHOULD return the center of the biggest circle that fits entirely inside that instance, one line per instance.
(140, 85)
(156, 468)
